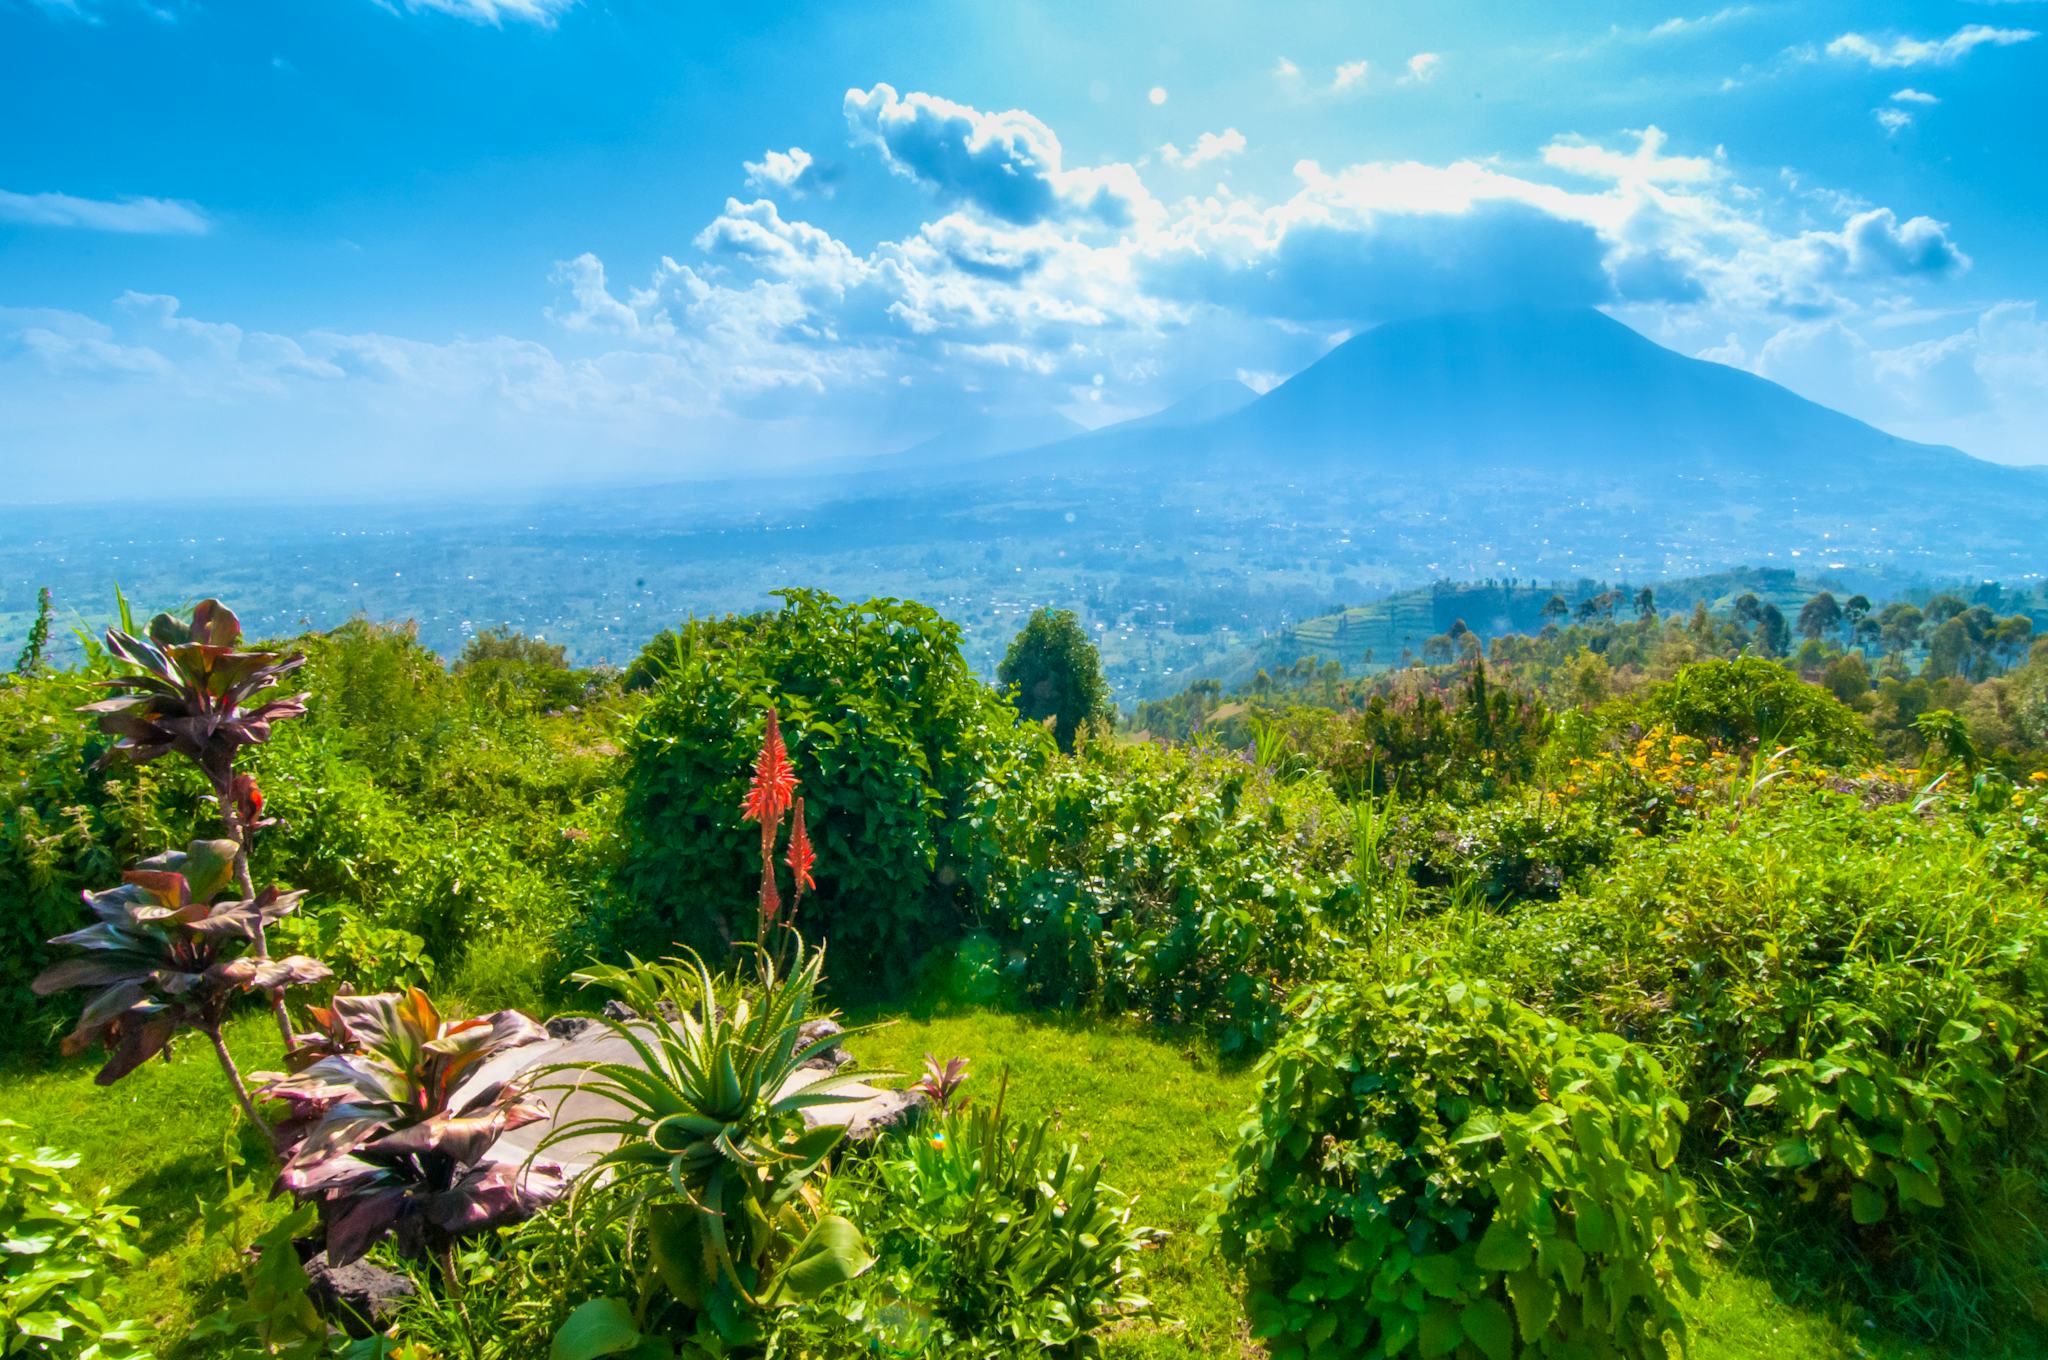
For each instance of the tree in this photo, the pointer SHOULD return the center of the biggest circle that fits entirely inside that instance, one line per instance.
(1555, 609)
(1773, 636)
(1821, 616)
(1646, 604)
(1055, 672)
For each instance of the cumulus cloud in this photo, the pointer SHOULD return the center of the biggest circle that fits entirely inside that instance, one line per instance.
(1422, 67)
(1210, 146)
(1896, 53)
(1008, 164)
(794, 172)
(1909, 95)
(1350, 76)
(132, 216)
(544, 13)
(1893, 121)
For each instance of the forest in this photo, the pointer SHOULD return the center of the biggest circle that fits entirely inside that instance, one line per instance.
(1655, 978)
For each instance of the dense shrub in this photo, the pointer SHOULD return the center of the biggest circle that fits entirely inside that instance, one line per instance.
(1510, 849)
(899, 752)
(66, 825)
(62, 1252)
(1187, 887)
(1433, 1165)
(1851, 999)
(1751, 702)
(991, 1241)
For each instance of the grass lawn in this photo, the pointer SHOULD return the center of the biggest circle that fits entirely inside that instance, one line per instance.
(1163, 1111)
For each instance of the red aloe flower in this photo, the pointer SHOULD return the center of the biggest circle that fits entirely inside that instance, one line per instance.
(774, 782)
(801, 856)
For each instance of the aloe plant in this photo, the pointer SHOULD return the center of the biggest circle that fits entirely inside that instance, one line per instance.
(164, 957)
(714, 1162)
(188, 691)
(384, 1137)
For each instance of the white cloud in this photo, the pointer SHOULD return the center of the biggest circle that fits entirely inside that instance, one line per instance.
(1350, 76)
(1007, 164)
(1645, 165)
(1897, 53)
(493, 12)
(1210, 146)
(794, 172)
(1680, 26)
(1909, 95)
(1422, 67)
(1893, 121)
(135, 216)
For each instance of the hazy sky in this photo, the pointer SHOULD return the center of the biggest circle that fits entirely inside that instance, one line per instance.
(342, 242)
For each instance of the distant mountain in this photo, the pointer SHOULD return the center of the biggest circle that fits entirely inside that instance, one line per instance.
(984, 436)
(1559, 395)
(1210, 401)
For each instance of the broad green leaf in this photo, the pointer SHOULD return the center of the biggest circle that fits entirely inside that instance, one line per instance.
(598, 1328)
(1486, 1324)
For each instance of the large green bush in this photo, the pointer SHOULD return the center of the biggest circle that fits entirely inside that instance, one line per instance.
(1187, 887)
(1750, 702)
(1433, 1168)
(900, 753)
(1852, 1000)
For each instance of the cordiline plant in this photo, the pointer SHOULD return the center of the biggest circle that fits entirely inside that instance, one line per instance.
(164, 956)
(386, 1139)
(189, 691)
(714, 1167)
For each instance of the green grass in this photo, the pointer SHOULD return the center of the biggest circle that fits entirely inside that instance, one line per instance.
(1162, 1110)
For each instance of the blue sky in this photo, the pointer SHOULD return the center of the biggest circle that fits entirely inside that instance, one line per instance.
(432, 242)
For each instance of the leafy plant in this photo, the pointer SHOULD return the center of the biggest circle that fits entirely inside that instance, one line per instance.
(991, 1241)
(1433, 1165)
(387, 1135)
(714, 1165)
(189, 691)
(59, 1252)
(165, 956)
(941, 1082)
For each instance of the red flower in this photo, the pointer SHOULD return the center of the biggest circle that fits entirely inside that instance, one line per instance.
(248, 800)
(801, 856)
(774, 782)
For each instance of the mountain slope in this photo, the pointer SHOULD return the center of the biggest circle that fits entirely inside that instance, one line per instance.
(1560, 395)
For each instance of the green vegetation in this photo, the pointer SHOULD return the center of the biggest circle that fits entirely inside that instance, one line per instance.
(1055, 676)
(1557, 999)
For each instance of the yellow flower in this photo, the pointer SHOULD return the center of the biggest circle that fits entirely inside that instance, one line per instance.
(2039, 777)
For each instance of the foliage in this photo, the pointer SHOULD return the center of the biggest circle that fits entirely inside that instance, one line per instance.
(389, 1134)
(1431, 1164)
(1054, 673)
(990, 1240)
(1750, 702)
(1849, 992)
(901, 752)
(59, 1251)
(188, 690)
(1183, 886)
(714, 1165)
(164, 956)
